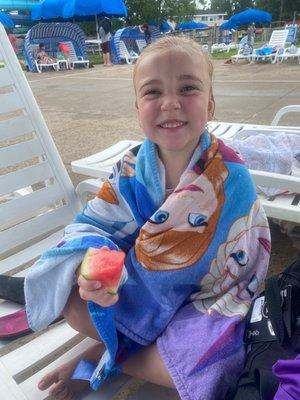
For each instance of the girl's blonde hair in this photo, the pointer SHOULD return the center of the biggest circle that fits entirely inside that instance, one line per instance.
(183, 44)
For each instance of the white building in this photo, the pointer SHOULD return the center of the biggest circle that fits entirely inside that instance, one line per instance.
(210, 19)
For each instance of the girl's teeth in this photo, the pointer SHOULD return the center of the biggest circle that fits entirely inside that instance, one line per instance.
(172, 124)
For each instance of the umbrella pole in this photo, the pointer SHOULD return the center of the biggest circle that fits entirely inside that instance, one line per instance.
(97, 34)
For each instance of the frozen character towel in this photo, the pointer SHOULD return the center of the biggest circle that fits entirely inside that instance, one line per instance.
(195, 260)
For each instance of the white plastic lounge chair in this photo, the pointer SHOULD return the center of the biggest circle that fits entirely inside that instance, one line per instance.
(74, 59)
(244, 51)
(141, 44)
(276, 42)
(219, 47)
(129, 57)
(39, 66)
(31, 221)
(283, 207)
(287, 55)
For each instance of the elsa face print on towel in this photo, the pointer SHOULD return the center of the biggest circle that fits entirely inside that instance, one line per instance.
(179, 233)
(233, 280)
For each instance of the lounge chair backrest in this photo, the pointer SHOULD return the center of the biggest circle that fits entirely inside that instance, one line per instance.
(37, 197)
(125, 54)
(34, 48)
(141, 44)
(278, 38)
(73, 55)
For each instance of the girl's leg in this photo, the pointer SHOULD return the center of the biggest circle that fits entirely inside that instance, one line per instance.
(146, 364)
(58, 381)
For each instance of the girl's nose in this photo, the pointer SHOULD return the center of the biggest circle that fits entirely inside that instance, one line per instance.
(170, 103)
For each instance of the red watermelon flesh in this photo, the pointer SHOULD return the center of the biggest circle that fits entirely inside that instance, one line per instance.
(104, 265)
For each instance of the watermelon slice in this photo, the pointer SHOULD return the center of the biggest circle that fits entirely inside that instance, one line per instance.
(106, 266)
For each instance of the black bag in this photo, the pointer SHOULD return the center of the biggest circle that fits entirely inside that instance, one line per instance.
(272, 333)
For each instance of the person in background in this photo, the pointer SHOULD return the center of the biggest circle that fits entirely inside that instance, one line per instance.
(105, 36)
(63, 53)
(145, 28)
(64, 49)
(42, 57)
(13, 39)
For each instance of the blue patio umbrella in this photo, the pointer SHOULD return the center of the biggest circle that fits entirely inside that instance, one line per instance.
(104, 8)
(191, 25)
(227, 25)
(6, 20)
(108, 8)
(48, 9)
(66, 9)
(249, 16)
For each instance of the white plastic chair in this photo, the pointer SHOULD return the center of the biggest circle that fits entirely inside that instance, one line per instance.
(287, 55)
(39, 66)
(129, 57)
(283, 207)
(277, 41)
(37, 199)
(73, 58)
(141, 44)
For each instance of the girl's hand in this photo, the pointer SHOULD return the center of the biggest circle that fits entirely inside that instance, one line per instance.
(94, 291)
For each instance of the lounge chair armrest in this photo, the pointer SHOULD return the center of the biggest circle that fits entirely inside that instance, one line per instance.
(284, 110)
(80, 58)
(88, 187)
(278, 181)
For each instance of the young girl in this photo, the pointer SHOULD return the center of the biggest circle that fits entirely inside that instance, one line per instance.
(183, 207)
(42, 57)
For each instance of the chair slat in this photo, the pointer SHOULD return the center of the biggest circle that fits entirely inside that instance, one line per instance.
(9, 390)
(29, 386)
(10, 102)
(20, 152)
(15, 127)
(25, 177)
(37, 348)
(5, 78)
(30, 253)
(29, 230)
(29, 204)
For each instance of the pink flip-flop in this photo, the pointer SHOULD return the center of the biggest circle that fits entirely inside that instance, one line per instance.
(14, 325)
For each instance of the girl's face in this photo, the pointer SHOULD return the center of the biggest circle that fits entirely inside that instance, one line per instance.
(173, 99)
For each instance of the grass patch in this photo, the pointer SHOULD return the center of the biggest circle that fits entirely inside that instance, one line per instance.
(95, 58)
(223, 55)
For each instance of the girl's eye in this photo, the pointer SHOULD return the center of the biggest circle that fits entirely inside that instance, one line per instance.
(152, 92)
(197, 219)
(241, 257)
(159, 217)
(188, 88)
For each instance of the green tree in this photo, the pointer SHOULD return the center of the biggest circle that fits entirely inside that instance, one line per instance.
(231, 6)
(221, 6)
(140, 11)
(281, 10)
